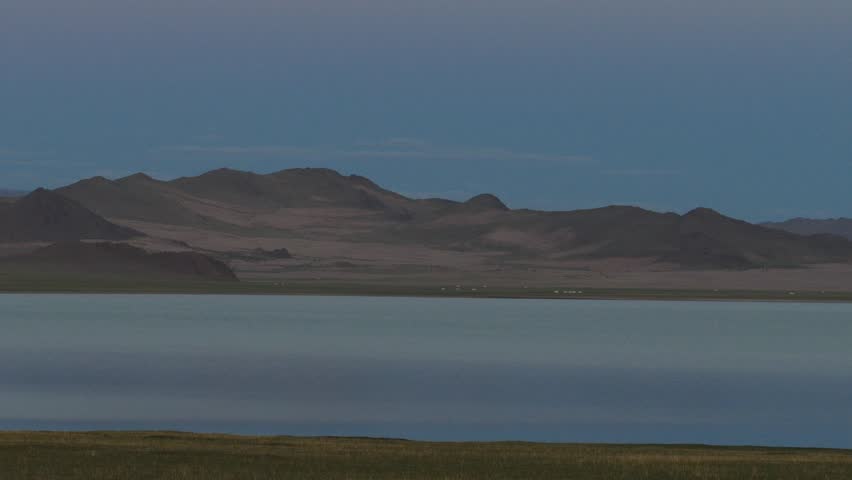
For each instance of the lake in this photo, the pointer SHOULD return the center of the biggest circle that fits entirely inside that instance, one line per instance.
(438, 369)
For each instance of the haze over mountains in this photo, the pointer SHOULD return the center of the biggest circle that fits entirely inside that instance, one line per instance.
(6, 192)
(811, 226)
(347, 228)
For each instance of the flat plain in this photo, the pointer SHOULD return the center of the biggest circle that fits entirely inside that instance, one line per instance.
(31, 282)
(171, 455)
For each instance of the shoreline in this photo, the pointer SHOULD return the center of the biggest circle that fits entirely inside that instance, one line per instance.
(414, 291)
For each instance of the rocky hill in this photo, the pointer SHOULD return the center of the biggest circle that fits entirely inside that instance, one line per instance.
(46, 216)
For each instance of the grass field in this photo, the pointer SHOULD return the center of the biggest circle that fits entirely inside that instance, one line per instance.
(35, 283)
(165, 456)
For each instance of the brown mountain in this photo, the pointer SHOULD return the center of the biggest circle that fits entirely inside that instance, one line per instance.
(288, 188)
(811, 226)
(708, 238)
(335, 219)
(44, 215)
(106, 258)
(195, 200)
(137, 197)
(701, 238)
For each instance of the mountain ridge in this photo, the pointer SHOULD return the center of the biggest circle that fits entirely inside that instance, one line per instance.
(811, 226)
(322, 205)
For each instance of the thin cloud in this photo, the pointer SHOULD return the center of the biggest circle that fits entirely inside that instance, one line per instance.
(6, 153)
(36, 159)
(39, 163)
(398, 142)
(641, 172)
(394, 149)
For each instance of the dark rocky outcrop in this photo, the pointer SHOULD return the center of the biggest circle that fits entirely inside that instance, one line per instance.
(123, 259)
(279, 253)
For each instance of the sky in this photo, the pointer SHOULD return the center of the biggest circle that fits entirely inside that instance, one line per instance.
(742, 106)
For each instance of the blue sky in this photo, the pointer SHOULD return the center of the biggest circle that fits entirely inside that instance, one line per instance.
(743, 106)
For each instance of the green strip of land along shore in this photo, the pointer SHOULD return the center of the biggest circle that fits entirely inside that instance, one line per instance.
(95, 284)
(169, 455)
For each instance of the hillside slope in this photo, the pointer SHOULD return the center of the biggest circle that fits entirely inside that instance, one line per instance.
(105, 258)
(44, 215)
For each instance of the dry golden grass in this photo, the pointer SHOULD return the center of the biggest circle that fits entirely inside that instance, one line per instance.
(167, 456)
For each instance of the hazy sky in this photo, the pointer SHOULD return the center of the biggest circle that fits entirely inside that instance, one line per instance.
(744, 106)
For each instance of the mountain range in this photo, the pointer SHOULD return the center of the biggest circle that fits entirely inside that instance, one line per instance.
(811, 226)
(347, 228)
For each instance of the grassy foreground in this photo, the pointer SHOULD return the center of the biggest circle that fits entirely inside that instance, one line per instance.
(166, 455)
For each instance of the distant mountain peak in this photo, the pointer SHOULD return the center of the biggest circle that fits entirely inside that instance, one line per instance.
(42, 197)
(703, 212)
(138, 177)
(311, 172)
(225, 171)
(486, 201)
(41, 191)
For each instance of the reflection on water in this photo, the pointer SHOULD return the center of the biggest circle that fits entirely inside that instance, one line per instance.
(734, 373)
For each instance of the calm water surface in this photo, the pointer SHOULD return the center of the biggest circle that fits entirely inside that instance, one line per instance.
(611, 371)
